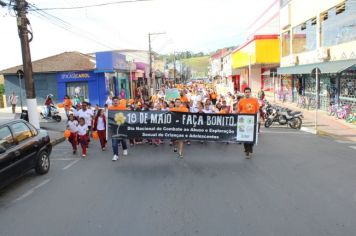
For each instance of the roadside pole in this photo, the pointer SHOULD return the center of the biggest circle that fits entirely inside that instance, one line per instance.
(20, 76)
(22, 22)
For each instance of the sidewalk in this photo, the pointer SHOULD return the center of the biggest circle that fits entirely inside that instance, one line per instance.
(54, 129)
(327, 125)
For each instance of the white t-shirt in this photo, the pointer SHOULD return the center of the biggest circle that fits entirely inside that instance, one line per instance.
(100, 125)
(108, 102)
(82, 129)
(73, 126)
(87, 115)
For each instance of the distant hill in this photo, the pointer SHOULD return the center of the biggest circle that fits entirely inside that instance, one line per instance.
(198, 66)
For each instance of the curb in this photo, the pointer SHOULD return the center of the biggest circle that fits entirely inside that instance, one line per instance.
(57, 141)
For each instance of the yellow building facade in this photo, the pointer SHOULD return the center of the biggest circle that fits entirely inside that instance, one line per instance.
(254, 59)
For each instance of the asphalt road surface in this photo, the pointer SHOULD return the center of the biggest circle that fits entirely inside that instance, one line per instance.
(296, 184)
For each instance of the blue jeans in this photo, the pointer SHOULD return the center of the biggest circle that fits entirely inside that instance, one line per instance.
(115, 145)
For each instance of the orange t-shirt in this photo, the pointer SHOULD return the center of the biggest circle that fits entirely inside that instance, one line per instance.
(248, 105)
(180, 109)
(213, 96)
(184, 99)
(120, 107)
(67, 103)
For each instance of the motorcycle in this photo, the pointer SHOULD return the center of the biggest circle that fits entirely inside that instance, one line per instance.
(284, 117)
(54, 114)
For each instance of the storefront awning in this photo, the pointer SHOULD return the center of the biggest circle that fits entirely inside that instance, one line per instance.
(331, 67)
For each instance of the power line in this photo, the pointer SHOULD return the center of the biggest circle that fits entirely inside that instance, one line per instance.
(94, 5)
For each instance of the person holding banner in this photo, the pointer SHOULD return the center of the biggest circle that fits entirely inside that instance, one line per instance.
(116, 106)
(248, 105)
(179, 107)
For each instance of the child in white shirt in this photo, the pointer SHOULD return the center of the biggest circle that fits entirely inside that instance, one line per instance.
(83, 135)
(72, 126)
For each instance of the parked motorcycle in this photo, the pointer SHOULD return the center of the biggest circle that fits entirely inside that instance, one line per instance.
(285, 116)
(54, 114)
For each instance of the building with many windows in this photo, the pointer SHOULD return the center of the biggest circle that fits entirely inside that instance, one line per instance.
(318, 34)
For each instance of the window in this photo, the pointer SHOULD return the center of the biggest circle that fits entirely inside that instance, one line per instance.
(284, 2)
(21, 131)
(338, 25)
(33, 129)
(6, 140)
(304, 36)
(285, 43)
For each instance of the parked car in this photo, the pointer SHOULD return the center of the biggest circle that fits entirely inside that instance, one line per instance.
(22, 148)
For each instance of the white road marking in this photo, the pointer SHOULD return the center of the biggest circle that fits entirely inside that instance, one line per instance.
(23, 196)
(32, 190)
(64, 159)
(71, 164)
(353, 147)
(345, 142)
(280, 132)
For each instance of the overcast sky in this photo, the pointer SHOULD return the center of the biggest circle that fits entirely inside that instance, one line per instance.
(195, 25)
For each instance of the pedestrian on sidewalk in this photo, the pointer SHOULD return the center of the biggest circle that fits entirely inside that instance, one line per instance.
(67, 104)
(100, 127)
(72, 126)
(13, 101)
(248, 105)
(83, 135)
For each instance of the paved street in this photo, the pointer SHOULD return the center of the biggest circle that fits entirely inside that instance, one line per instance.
(297, 184)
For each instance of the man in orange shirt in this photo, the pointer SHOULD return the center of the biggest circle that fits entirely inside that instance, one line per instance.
(179, 107)
(117, 106)
(248, 105)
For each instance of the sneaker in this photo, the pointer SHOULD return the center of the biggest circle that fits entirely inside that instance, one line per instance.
(125, 152)
(103, 149)
(175, 150)
(248, 155)
(115, 158)
(188, 142)
(74, 152)
(180, 156)
(170, 143)
(84, 155)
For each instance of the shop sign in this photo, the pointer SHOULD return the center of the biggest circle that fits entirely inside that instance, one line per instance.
(74, 75)
(186, 126)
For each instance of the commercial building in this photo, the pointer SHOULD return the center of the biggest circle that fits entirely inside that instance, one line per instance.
(70, 73)
(318, 34)
(253, 61)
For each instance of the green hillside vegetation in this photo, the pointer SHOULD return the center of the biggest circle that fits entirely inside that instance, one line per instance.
(198, 65)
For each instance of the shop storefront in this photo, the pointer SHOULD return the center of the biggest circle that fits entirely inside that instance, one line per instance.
(117, 72)
(87, 85)
(337, 82)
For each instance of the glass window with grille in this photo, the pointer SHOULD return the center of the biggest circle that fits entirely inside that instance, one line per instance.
(286, 43)
(304, 37)
(338, 25)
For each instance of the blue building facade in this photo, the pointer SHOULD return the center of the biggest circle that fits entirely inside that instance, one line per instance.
(45, 83)
(87, 85)
(116, 70)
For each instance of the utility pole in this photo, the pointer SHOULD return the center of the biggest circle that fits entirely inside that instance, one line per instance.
(174, 67)
(22, 22)
(150, 58)
(152, 81)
